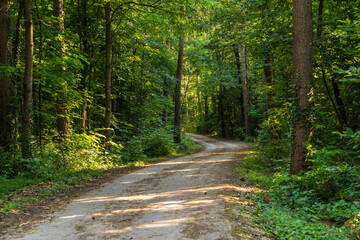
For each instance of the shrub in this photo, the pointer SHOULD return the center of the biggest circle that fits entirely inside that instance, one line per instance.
(186, 144)
(159, 143)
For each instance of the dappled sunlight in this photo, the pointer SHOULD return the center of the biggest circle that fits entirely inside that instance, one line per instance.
(168, 194)
(155, 224)
(72, 217)
(166, 171)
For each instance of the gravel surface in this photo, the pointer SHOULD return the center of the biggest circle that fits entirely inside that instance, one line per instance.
(178, 199)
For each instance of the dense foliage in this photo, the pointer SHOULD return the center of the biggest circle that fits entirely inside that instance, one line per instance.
(237, 66)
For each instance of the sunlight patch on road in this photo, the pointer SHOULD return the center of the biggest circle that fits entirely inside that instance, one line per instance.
(71, 217)
(169, 194)
(156, 224)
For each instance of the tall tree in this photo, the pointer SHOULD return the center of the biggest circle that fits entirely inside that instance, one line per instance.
(108, 72)
(62, 111)
(27, 87)
(6, 85)
(245, 91)
(302, 78)
(179, 70)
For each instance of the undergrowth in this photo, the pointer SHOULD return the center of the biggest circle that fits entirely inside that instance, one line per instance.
(59, 165)
(321, 203)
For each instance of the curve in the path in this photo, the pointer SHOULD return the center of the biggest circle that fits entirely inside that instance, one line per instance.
(176, 199)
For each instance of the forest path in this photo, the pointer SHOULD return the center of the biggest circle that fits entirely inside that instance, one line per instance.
(183, 198)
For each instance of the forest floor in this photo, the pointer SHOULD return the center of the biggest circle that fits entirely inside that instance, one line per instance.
(191, 197)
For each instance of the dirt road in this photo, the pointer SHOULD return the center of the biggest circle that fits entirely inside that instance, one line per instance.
(182, 198)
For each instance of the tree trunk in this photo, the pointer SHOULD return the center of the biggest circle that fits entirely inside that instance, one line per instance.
(62, 111)
(268, 78)
(166, 107)
(6, 138)
(27, 87)
(238, 69)
(6, 83)
(108, 74)
(221, 110)
(302, 78)
(244, 83)
(342, 112)
(177, 120)
(83, 20)
(40, 84)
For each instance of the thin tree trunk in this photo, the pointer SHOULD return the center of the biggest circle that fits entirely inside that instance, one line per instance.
(342, 112)
(177, 120)
(221, 110)
(268, 78)
(27, 88)
(165, 95)
(62, 111)
(40, 85)
(245, 96)
(265, 102)
(82, 4)
(320, 20)
(206, 102)
(302, 78)
(238, 69)
(108, 74)
(6, 83)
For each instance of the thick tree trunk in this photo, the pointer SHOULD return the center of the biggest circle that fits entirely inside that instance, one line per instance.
(245, 96)
(302, 78)
(6, 83)
(177, 120)
(27, 87)
(62, 111)
(108, 74)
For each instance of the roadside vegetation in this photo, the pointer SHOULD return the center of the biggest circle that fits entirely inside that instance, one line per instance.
(320, 203)
(59, 166)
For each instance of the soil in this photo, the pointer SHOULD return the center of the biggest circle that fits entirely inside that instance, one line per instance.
(192, 197)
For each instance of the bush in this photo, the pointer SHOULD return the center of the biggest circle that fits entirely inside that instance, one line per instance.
(186, 144)
(328, 192)
(273, 139)
(159, 143)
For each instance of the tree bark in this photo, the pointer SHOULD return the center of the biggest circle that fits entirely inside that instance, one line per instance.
(302, 78)
(177, 120)
(342, 112)
(27, 87)
(166, 107)
(222, 110)
(245, 96)
(40, 84)
(62, 111)
(238, 69)
(206, 100)
(268, 78)
(83, 20)
(6, 83)
(108, 74)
